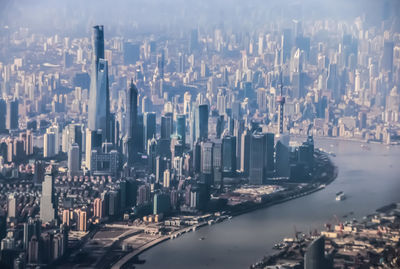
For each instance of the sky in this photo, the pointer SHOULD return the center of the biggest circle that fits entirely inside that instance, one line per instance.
(77, 16)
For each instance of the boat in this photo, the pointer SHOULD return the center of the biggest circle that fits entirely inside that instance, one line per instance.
(340, 196)
(365, 147)
(202, 238)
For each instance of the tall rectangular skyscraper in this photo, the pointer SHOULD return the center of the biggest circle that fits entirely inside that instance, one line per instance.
(149, 127)
(99, 104)
(201, 122)
(257, 158)
(48, 207)
(132, 134)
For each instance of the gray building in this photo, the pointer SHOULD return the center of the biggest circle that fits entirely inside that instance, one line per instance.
(48, 203)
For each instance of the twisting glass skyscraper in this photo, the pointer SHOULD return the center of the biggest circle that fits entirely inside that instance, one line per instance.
(99, 104)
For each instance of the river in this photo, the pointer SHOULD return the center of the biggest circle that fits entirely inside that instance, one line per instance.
(370, 178)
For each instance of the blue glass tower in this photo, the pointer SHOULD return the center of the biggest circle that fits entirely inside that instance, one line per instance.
(99, 104)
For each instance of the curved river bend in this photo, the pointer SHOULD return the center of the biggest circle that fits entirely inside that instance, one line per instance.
(369, 178)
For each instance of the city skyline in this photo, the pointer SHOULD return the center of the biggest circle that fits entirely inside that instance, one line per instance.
(122, 128)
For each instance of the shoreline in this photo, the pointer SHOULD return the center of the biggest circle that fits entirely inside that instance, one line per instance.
(314, 188)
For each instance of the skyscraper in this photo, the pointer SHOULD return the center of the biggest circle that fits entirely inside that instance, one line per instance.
(49, 144)
(257, 159)
(315, 255)
(245, 152)
(229, 154)
(132, 134)
(387, 56)
(73, 159)
(48, 206)
(12, 114)
(3, 111)
(93, 141)
(12, 206)
(149, 127)
(207, 162)
(166, 126)
(131, 110)
(201, 122)
(181, 128)
(99, 104)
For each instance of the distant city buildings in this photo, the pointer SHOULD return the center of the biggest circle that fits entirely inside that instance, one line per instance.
(147, 126)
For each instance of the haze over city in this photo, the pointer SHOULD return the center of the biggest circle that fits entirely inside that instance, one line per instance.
(199, 134)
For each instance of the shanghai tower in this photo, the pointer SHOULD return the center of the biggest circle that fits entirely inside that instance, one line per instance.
(99, 104)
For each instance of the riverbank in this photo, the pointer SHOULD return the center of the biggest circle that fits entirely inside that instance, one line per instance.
(315, 186)
(360, 240)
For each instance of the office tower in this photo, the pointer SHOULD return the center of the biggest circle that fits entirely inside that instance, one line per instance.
(217, 161)
(73, 160)
(139, 141)
(182, 59)
(143, 194)
(239, 127)
(166, 126)
(262, 99)
(73, 133)
(387, 56)
(161, 204)
(104, 196)
(167, 178)
(194, 197)
(270, 142)
(181, 128)
(98, 208)
(3, 115)
(39, 170)
(132, 110)
(245, 152)
(28, 142)
(99, 101)
(48, 202)
(286, 45)
(161, 165)
(132, 134)
(201, 122)
(194, 40)
(161, 64)
(93, 141)
(229, 155)
(187, 100)
(66, 217)
(197, 157)
(315, 255)
(149, 127)
(49, 144)
(31, 228)
(206, 162)
(113, 203)
(297, 28)
(12, 114)
(332, 82)
(33, 250)
(221, 101)
(12, 206)
(257, 158)
(260, 44)
(82, 223)
(282, 163)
